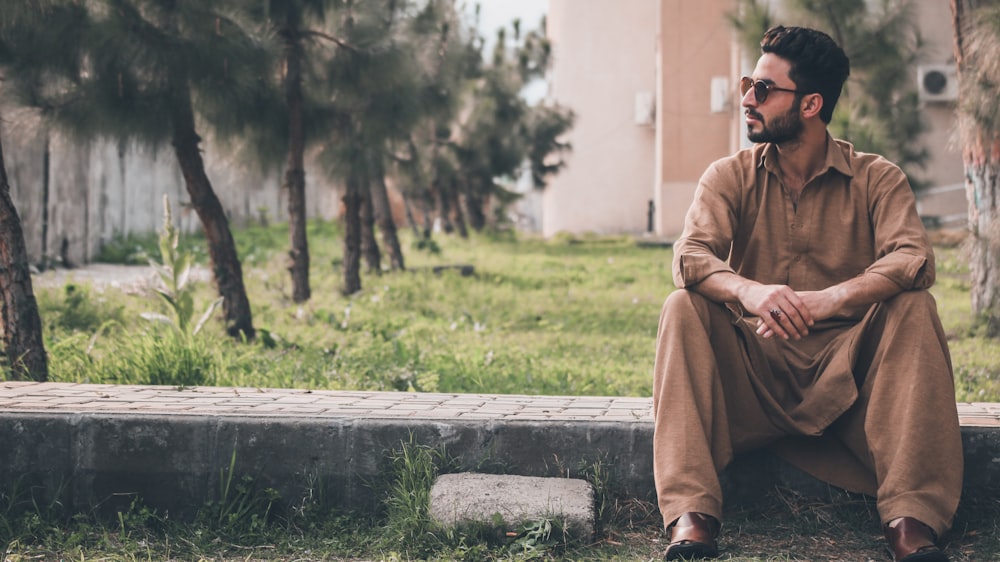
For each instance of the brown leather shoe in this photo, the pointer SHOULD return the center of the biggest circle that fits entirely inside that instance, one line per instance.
(912, 541)
(693, 536)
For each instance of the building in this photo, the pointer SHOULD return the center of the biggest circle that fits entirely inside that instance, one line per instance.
(653, 84)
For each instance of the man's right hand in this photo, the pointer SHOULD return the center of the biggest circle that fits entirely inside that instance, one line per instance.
(791, 319)
(780, 310)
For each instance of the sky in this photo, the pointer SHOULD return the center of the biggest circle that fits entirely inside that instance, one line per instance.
(494, 14)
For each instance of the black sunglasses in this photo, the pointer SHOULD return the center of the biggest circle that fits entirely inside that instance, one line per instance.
(761, 89)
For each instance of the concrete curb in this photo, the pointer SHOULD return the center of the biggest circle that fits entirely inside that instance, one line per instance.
(100, 446)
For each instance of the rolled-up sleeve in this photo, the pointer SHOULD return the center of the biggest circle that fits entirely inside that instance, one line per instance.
(904, 252)
(704, 246)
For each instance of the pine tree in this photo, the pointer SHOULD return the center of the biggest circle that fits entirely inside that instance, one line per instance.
(155, 70)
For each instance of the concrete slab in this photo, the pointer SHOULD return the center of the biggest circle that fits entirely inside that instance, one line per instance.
(479, 498)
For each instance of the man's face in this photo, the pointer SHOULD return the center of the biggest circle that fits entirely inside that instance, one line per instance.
(777, 119)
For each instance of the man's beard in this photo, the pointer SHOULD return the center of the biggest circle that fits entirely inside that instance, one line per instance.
(782, 129)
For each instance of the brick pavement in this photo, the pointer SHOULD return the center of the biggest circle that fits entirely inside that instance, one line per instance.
(71, 398)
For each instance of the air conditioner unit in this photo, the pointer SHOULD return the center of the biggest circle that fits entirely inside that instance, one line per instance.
(937, 82)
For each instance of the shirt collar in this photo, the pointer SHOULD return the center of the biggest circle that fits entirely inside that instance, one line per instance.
(835, 157)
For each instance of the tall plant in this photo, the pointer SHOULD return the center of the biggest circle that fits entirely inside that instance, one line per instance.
(174, 269)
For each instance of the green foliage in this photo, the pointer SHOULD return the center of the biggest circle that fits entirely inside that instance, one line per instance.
(535, 539)
(412, 470)
(168, 360)
(77, 309)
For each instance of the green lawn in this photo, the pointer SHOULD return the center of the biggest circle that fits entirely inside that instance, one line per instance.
(572, 316)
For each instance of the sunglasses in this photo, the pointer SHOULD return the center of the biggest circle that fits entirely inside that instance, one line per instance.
(761, 89)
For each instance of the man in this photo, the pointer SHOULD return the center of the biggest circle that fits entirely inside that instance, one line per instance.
(802, 320)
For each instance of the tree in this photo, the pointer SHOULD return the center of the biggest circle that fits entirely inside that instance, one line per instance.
(24, 56)
(22, 326)
(374, 86)
(305, 112)
(153, 69)
(289, 19)
(879, 110)
(977, 42)
(503, 133)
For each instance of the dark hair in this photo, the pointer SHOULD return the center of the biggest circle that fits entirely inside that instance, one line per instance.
(818, 64)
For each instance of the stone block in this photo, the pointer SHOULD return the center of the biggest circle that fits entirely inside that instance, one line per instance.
(479, 498)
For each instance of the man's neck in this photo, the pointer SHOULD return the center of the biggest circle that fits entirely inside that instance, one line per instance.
(802, 158)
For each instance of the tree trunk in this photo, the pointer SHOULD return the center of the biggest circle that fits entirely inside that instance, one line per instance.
(369, 246)
(295, 173)
(474, 204)
(981, 154)
(459, 215)
(22, 327)
(383, 215)
(408, 206)
(444, 207)
(46, 260)
(222, 249)
(427, 199)
(982, 183)
(352, 234)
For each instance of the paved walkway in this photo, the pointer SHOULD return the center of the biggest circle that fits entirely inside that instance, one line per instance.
(70, 398)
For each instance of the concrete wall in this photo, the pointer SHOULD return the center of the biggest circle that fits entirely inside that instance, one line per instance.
(101, 190)
(604, 56)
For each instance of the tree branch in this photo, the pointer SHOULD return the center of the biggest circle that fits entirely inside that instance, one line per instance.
(339, 42)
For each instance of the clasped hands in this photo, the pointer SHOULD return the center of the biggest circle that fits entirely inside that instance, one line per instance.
(786, 313)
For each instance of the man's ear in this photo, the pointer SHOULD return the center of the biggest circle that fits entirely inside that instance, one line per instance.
(811, 105)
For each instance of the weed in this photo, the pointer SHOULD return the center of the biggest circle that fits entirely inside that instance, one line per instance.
(167, 359)
(413, 468)
(241, 506)
(537, 538)
(174, 269)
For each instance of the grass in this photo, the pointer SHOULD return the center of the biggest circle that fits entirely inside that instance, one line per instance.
(567, 316)
(537, 317)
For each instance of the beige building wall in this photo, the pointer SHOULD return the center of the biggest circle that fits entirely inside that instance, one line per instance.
(608, 50)
(604, 53)
(695, 125)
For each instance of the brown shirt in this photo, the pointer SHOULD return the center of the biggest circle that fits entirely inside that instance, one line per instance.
(858, 214)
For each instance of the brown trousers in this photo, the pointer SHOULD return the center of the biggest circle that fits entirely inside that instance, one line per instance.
(865, 405)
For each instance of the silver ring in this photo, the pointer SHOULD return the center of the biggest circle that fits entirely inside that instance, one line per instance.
(776, 314)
